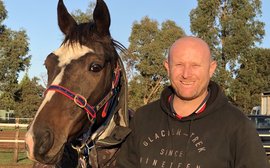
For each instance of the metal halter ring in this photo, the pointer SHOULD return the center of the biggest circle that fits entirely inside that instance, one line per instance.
(76, 100)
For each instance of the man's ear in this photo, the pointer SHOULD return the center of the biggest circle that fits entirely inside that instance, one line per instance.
(166, 65)
(213, 66)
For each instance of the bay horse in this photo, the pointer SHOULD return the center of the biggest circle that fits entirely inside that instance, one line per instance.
(85, 105)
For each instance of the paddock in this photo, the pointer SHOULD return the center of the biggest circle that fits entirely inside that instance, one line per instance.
(12, 144)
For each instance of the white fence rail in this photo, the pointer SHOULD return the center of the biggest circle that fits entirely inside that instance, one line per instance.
(14, 125)
(16, 139)
(12, 141)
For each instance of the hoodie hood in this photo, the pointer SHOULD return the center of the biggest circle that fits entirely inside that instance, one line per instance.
(215, 101)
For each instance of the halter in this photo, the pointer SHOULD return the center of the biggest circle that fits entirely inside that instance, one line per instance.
(81, 101)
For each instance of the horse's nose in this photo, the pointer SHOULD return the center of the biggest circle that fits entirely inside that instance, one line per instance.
(44, 142)
(38, 143)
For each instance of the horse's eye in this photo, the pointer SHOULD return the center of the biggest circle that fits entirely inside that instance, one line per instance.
(94, 67)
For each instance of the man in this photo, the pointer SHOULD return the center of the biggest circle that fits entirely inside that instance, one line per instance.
(192, 125)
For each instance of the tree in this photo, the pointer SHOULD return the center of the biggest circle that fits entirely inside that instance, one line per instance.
(13, 60)
(83, 17)
(231, 28)
(29, 96)
(253, 78)
(149, 43)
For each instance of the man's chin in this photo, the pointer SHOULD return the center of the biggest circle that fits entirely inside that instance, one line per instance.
(189, 95)
(186, 96)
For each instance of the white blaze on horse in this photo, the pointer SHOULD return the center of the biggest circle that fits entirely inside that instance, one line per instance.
(85, 102)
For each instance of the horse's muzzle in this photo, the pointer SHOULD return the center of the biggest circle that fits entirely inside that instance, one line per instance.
(39, 144)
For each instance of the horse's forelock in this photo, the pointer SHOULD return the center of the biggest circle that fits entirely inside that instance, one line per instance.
(84, 34)
(80, 34)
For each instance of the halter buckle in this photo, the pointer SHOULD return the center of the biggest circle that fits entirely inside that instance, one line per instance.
(78, 102)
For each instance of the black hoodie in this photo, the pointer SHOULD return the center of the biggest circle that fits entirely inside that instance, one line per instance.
(219, 137)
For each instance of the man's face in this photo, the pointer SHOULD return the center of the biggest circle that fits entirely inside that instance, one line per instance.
(190, 69)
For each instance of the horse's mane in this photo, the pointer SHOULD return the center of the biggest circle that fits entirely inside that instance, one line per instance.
(119, 46)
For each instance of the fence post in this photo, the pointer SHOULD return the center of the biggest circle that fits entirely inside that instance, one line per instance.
(16, 148)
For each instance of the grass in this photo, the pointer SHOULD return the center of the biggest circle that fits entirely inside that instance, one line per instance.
(6, 158)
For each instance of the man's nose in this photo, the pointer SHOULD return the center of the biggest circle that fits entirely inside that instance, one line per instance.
(187, 71)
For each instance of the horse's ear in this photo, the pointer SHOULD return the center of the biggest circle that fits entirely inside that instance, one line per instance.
(65, 21)
(102, 18)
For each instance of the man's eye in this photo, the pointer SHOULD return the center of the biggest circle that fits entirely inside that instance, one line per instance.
(94, 67)
(195, 65)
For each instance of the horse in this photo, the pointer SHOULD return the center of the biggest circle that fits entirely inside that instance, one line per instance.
(85, 104)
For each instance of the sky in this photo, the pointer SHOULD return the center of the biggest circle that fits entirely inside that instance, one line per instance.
(39, 19)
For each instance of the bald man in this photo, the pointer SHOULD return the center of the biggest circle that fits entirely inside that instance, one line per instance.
(192, 125)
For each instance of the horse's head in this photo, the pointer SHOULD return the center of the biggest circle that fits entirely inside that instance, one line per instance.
(80, 73)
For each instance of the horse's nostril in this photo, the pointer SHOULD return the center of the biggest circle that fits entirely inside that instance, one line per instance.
(46, 142)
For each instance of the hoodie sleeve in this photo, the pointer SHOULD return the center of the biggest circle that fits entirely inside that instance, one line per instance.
(249, 151)
(128, 156)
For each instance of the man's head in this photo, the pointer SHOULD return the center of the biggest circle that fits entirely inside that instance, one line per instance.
(190, 67)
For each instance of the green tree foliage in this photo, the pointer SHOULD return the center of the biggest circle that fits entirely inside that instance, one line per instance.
(231, 28)
(3, 12)
(29, 95)
(253, 78)
(13, 60)
(83, 17)
(149, 43)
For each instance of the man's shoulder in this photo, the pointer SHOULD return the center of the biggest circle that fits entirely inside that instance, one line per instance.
(148, 109)
(234, 111)
(233, 115)
(150, 106)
